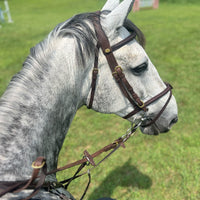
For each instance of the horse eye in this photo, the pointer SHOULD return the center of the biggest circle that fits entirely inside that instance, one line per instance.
(140, 69)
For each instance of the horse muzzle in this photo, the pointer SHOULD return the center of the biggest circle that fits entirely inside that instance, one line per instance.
(151, 127)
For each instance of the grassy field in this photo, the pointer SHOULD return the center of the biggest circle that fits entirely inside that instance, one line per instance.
(166, 167)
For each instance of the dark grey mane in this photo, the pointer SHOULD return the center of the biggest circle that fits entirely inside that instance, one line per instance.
(131, 27)
(79, 29)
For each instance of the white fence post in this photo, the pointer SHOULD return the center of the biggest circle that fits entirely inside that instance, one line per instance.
(7, 12)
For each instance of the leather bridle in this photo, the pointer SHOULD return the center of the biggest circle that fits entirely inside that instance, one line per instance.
(117, 72)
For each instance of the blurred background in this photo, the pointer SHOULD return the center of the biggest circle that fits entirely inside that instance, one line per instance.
(164, 167)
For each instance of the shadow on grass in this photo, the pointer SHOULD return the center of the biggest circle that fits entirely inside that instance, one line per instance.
(124, 176)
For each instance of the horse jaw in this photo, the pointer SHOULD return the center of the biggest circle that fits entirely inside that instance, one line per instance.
(164, 123)
(108, 96)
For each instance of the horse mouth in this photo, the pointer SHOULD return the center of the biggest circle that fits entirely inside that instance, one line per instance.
(150, 130)
(150, 126)
(153, 129)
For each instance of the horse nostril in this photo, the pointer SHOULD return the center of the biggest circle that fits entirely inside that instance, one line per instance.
(175, 120)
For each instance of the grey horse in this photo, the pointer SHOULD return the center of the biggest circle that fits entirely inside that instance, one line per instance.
(41, 100)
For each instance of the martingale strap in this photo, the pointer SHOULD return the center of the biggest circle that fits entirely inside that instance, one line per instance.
(37, 181)
(39, 166)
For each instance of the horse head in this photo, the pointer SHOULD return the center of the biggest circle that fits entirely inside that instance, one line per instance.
(139, 71)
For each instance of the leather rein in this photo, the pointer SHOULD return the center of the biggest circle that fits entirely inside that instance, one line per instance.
(37, 181)
(39, 173)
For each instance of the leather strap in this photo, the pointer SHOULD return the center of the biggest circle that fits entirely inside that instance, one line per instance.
(38, 166)
(123, 42)
(162, 110)
(83, 160)
(9, 186)
(94, 77)
(153, 99)
(104, 44)
(36, 182)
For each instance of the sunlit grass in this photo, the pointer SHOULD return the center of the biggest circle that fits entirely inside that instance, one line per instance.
(166, 167)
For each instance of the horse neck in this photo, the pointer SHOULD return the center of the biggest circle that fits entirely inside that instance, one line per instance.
(36, 111)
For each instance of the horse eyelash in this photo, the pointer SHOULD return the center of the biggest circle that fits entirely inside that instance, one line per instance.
(140, 69)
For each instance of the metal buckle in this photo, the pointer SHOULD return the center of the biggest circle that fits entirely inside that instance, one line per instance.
(118, 67)
(95, 70)
(89, 158)
(115, 71)
(107, 50)
(38, 167)
(116, 143)
(141, 106)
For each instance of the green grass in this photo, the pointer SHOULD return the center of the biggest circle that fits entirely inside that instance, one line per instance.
(180, 1)
(166, 167)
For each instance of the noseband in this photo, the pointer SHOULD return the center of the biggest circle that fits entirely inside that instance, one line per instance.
(117, 72)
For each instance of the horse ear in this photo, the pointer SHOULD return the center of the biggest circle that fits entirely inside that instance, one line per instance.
(116, 18)
(111, 5)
